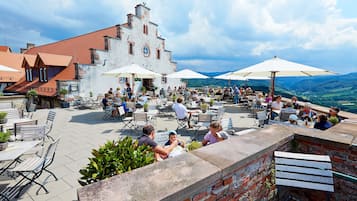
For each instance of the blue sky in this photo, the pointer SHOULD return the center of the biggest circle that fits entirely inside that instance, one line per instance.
(207, 36)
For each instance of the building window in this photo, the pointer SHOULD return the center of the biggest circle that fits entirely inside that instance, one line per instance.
(157, 54)
(28, 74)
(131, 50)
(43, 75)
(164, 79)
(145, 29)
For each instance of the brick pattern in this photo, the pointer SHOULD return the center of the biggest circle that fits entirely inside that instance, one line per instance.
(250, 181)
(344, 160)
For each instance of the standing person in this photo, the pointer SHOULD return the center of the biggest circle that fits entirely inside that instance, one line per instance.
(148, 139)
(128, 90)
(236, 93)
(214, 135)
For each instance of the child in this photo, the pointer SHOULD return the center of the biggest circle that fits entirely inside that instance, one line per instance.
(215, 134)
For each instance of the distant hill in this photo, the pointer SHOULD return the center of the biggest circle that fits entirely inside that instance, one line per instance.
(339, 90)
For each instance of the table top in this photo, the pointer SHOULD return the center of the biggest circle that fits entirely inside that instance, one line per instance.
(16, 149)
(11, 122)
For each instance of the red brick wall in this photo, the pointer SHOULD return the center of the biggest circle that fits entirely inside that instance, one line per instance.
(250, 181)
(344, 160)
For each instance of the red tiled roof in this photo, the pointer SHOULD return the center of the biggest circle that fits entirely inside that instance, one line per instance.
(54, 59)
(30, 59)
(4, 48)
(12, 60)
(78, 48)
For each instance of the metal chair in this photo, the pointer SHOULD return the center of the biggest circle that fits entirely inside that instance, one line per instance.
(204, 120)
(18, 125)
(108, 112)
(128, 121)
(49, 123)
(31, 168)
(141, 119)
(32, 132)
(262, 117)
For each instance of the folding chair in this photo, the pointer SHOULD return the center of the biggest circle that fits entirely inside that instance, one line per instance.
(181, 123)
(32, 132)
(31, 168)
(18, 125)
(204, 120)
(49, 123)
(108, 112)
(141, 119)
(262, 117)
(128, 121)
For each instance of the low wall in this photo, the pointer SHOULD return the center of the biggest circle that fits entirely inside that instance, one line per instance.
(240, 168)
(16, 100)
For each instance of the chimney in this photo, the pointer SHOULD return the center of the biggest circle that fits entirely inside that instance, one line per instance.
(142, 11)
(22, 50)
(130, 19)
(30, 45)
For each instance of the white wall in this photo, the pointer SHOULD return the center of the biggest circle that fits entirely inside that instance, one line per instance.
(118, 56)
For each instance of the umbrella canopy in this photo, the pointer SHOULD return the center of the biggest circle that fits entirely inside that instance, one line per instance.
(187, 74)
(132, 70)
(276, 67)
(231, 76)
(8, 69)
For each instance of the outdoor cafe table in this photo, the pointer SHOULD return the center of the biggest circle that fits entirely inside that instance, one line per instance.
(14, 151)
(10, 124)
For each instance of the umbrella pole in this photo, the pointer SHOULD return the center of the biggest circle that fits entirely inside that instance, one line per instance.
(272, 87)
(133, 83)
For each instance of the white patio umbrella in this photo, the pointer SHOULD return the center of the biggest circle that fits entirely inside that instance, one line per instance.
(230, 76)
(8, 69)
(276, 67)
(187, 74)
(133, 71)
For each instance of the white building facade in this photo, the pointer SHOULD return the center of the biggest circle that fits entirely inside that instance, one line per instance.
(138, 42)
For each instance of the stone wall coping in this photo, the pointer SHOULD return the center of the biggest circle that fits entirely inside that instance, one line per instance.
(237, 151)
(178, 177)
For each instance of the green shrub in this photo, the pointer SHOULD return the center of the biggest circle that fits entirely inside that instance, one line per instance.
(115, 157)
(4, 136)
(32, 92)
(194, 145)
(63, 91)
(3, 115)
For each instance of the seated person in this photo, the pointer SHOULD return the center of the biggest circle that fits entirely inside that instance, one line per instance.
(288, 108)
(148, 139)
(214, 135)
(294, 102)
(181, 111)
(117, 99)
(173, 138)
(142, 100)
(322, 122)
(307, 113)
(333, 115)
(105, 101)
(276, 105)
(293, 119)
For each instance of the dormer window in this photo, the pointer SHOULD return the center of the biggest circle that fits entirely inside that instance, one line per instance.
(43, 75)
(29, 74)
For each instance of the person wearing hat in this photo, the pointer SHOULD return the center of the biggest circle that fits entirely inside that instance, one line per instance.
(148, 139)
(173, 138)
(293, 119)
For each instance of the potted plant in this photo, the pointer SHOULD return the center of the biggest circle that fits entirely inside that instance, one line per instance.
(64, 103)
(211, 102)
(31, 95)
(143, 90)
(3, 119)
(146, 107)
(204, 107)
(4, 137)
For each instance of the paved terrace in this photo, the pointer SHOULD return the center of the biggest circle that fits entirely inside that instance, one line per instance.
(83, 130)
